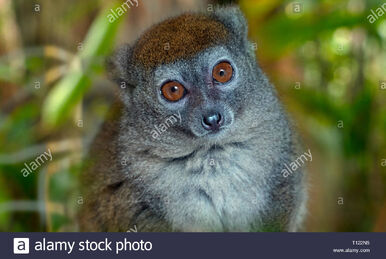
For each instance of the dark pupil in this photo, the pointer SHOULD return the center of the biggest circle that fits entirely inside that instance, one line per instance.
(174, 89)
(222, 72)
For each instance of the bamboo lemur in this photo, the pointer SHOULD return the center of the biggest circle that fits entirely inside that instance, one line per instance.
(217, 169)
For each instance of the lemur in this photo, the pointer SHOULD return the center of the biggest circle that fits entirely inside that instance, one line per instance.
(219, 168)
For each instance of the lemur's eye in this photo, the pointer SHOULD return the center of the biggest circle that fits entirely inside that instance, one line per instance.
(222, 72)
(173, 91)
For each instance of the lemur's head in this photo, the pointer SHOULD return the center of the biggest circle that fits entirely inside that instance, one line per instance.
(199, 68)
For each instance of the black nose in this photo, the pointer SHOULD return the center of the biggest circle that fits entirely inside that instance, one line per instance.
(212, 121)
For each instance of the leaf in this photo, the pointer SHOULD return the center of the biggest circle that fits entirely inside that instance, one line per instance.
(63, 97)
(70, 89)
(5, 72)
(283, 34)
(319, 103)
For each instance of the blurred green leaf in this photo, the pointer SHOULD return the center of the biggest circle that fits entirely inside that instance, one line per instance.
(68, 91)
(5, 71)
(284, 34)
(314, 101)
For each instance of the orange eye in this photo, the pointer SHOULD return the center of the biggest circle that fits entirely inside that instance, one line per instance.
(173, 91)
(222, 72)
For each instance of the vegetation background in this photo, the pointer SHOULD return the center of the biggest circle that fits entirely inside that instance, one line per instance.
(326, 60)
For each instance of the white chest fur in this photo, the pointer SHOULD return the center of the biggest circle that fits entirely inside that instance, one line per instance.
(221, 190)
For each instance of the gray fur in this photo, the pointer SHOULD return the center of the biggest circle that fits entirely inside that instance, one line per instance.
(185, 180)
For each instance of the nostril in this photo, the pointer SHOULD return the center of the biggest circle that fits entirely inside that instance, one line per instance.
(212, 121)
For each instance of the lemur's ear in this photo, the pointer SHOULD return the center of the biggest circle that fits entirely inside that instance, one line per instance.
(233, 19)
(118, 65)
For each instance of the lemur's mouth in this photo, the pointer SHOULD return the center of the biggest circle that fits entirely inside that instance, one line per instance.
(216, 133)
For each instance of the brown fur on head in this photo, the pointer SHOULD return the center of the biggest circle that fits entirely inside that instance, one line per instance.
(179, 37)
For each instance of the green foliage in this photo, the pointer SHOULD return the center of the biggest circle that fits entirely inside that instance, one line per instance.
(68, 91)
(338, 102)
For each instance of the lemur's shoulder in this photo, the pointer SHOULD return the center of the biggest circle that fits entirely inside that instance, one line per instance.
(102, 155)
